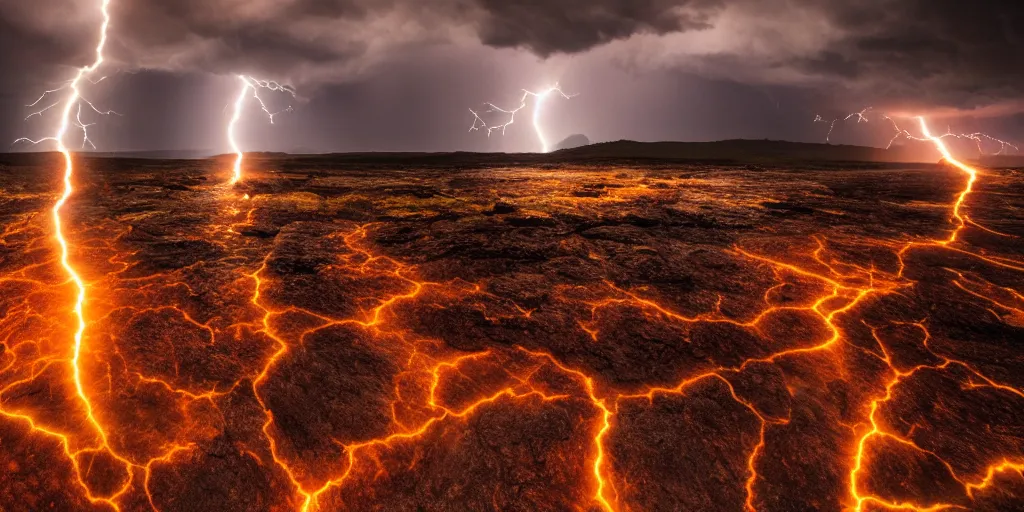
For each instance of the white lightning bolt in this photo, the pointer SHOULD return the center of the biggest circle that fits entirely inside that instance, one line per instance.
(254, 85)
(900, 133)
(977, 137)
(478, 122)
(861, 118)
(73, 102)
(75, 99)
(71, 115)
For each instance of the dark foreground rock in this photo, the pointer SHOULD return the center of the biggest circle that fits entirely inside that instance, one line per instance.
(559, 337)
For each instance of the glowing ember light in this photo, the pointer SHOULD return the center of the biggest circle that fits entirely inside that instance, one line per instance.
(251, 84)
(541, 97)
(72, 106)
(971, 173)
(73, 102)
(834, 291)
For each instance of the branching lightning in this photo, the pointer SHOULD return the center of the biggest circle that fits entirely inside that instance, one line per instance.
(977, 137)
(71, 115)
(254, 85)
(74, 101)
(861, 118)
(899, 133)
(538, 104)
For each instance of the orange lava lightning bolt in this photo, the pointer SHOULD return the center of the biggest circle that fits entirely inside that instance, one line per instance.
(478, 122)
(73, 99)
(71, 116)
(251, 84)
(972, 174)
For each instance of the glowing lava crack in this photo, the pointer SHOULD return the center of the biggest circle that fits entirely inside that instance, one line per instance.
(594, 339)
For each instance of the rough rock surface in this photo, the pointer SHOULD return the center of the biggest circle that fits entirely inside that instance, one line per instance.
(336, 336)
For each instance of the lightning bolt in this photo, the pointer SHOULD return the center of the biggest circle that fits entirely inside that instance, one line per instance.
(899, 133)
(972, 176)
(861, 118)
(253, 85)
(71, 107)
(977, 137)
(73, 104)
(538, 104)
(841, 293)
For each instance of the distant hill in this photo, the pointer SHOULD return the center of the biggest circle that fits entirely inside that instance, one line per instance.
(727, 153)
(157, 154)
(740, 151)
(1003, 161)
(573, 141)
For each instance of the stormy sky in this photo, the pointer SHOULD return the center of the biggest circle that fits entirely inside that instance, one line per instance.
(400, 75)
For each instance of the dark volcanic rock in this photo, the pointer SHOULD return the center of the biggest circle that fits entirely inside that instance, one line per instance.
(501, 209)
(417, 332)
(786, 207)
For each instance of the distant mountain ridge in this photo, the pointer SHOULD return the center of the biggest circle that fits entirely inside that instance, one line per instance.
(739, 150)
(573, 141)
(726, 152)
(157, 154)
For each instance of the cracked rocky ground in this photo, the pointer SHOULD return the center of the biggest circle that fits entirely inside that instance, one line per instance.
(329, 336)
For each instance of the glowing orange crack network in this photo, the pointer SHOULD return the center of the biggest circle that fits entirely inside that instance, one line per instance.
(842, 289)
(846, 290)
(72, 102)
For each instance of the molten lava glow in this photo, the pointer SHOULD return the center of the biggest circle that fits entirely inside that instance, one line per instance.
(253, 85)
(226, 386)
(972, 176)
(863, 501)
(71, 112)
(846, 287)
(70, 104)
(216, 357)
(538, 104)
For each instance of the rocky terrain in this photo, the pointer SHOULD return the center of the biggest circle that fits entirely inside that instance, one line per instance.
(437, 334)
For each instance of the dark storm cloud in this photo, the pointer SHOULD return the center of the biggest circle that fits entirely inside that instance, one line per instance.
(945, 52)
(264, 37)
(34, 39)
(951, 52)
(545, 27)
(924, 56)
(303, 37)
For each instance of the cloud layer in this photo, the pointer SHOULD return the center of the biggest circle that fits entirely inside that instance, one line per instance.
(946, 56)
